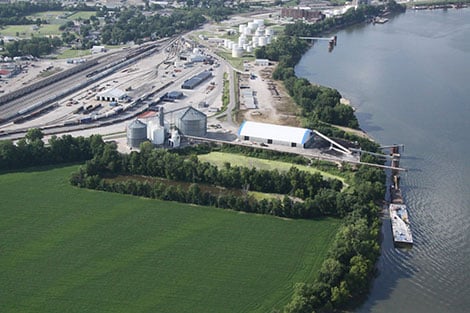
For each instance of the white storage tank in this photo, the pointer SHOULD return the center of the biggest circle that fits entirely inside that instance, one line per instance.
(241, 40)
(262, 41)
(252, 26)
(237, 51)
(259, 22)
(230, 44)
(226, 43)
(249, 49)
(158, 135)
(269, 32)
(269, 39)
(247, 31)
(242, 28)
(255, 41)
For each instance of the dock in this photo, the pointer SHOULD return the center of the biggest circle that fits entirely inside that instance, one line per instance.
(399, 219)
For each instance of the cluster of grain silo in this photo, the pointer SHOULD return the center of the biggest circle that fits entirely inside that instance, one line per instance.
(186, 121)
(256, 31)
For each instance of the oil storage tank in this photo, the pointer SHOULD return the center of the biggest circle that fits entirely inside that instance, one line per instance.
(192, 122)
(136, 133)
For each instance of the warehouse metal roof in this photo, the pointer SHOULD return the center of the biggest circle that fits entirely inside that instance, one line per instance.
(275, 132)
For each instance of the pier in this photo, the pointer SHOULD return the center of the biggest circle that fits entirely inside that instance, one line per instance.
(331, 40)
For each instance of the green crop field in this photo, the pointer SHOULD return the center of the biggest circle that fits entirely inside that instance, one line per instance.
(65, 249)
(219, 158)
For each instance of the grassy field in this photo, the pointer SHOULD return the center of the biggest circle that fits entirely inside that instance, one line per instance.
(65, 249)
(71, 54)
(25, 31)
(219, 158)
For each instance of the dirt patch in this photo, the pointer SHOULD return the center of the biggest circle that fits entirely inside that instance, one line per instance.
(273, 103)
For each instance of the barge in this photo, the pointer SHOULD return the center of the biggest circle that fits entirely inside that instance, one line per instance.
(401, 229)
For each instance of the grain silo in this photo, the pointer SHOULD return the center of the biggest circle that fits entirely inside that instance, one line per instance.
(192, 122)
(136, 133)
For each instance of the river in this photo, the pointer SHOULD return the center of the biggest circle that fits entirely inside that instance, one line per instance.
(409, 80)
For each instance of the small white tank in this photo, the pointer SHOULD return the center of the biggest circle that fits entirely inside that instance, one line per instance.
(255, 40)
(175, 139)
(269, 32)
(241, 40)
(262, 41)
(249, 49)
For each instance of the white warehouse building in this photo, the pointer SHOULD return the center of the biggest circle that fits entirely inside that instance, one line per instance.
(275, 134)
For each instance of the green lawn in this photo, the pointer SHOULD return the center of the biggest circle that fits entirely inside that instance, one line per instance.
(25, 31)
(219, 158)
(84, 15)
(71, 54)
(65, 249)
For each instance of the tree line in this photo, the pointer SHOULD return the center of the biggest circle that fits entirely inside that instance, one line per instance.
(32, 151)
(305, 195)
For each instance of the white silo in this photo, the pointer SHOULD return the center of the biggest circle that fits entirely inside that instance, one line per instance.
(255, 41)
(158, 135)
(262, 41)
(249, 49)
(151, 123)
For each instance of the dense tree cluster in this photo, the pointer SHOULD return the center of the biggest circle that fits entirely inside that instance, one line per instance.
(131, 24)
(31, 150)
(15, 13)
(35, 46)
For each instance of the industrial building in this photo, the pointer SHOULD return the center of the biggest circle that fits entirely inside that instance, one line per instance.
(275, 134)
(174, 95)
(196, 80)
(111, 95)
(303, 13)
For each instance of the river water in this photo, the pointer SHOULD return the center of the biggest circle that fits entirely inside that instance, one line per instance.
(409, 80)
